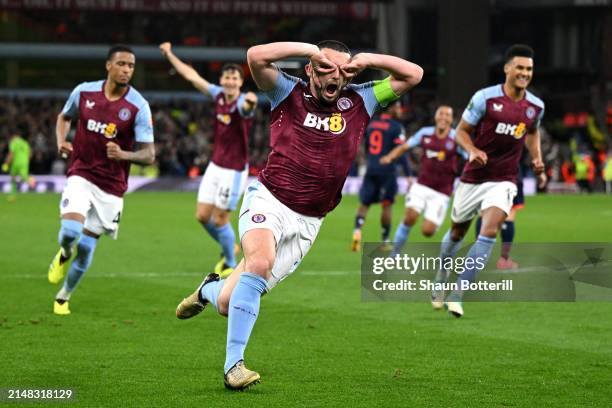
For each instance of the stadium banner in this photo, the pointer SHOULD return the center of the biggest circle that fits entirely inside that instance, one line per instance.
(547, 272)
(55, 184)
(346, 9)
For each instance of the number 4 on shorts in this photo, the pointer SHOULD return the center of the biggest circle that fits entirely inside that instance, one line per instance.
(117, 217)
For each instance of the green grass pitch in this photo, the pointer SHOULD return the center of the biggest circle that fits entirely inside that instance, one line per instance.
(315, 343)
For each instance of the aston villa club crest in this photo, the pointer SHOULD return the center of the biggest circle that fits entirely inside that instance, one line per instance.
(530, 112)
(125, 114)
(258, 218)
(449, 145)
(344, 103)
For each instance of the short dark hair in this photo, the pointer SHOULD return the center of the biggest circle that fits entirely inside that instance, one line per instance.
(334, 45)
(230, 66)
(117, 48)
(518, 50)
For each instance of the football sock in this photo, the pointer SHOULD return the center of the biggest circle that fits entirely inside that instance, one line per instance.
(242, 314)
(480, 249)
(69, 234)
(359, 220)
(82, 261)
(400, 238)
(227, 239)
(448, 249)
(507, 236)
(211, 228)
(211, 291)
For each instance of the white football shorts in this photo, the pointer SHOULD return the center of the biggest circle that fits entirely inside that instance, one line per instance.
(294, 233)
(471, 199)
(222, 187)
(102, 211)
(433, 204)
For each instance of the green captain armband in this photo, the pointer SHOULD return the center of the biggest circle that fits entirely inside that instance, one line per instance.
(383, 92)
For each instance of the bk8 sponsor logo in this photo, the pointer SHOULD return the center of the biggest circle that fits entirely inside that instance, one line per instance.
(516, 131)
(108, 130)
(334, 123)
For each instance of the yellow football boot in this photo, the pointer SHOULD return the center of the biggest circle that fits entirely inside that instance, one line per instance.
(61, 309)
(57, 270)
(356, 244)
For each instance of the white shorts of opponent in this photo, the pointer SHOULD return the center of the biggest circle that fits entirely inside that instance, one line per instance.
(102, 211)
(222, 187)
(470, 199)
(294, 233)
(433, 204)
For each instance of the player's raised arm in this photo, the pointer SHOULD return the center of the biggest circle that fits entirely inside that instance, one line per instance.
(403, 74)
(184, 70)
(462, 135)
(261, 60)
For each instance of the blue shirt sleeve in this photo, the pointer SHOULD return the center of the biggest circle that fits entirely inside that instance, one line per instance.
(366, 91)
(476, 109)
(71, 108)
(240, 103)
(143, 125)
(536, 124)
(214, 90)
(283, 87)
(416, 139)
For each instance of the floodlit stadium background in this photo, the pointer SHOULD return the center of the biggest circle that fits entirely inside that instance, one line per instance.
(317, 344)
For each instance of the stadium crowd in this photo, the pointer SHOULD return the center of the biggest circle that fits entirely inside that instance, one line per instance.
(573, 145)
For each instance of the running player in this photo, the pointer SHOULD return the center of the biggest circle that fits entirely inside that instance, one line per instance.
(380, 181)
(225, 178)
(502, 118)
(17, 164)
(430, 194)
(111, 117)
(316, 129)
(508, 228)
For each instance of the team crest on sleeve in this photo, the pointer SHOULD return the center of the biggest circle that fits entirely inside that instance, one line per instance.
(530, 112)
(125, 114)
(258, 218)
(344, 103)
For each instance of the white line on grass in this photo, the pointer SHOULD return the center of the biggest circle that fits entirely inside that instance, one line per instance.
(167, 275)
